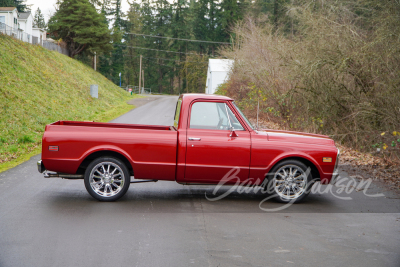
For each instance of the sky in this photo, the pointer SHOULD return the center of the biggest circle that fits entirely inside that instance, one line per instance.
(47, 7)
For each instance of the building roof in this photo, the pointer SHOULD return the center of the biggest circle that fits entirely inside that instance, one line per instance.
(220, 64)
(7, 8)
(24, 15)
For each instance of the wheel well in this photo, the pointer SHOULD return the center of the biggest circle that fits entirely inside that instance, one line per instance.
(104, 153)
(314, 170)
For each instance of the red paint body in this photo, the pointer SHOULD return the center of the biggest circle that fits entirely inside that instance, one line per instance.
(165, 153)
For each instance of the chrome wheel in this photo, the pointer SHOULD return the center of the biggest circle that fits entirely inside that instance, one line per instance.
(290, 182)
(106, 179)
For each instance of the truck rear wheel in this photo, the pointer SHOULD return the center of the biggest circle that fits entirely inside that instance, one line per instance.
(107, 179)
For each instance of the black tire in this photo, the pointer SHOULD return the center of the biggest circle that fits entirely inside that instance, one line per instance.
(107, 179)
(276, 182)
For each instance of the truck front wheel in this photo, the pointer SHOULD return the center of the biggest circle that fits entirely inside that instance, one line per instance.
(107, 179)
(290, 181)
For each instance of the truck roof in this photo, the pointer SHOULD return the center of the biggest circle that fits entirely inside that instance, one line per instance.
(191, 97)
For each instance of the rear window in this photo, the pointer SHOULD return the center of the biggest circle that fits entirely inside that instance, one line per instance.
(177, 112)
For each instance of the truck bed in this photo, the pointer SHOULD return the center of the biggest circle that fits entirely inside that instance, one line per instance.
(150, 149)
(114, 125)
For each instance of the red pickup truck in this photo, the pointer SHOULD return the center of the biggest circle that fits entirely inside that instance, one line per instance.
(211, 142)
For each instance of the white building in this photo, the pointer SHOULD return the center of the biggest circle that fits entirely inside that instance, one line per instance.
(25, 23)
(217, 73)
(9, 17)
(39, 35)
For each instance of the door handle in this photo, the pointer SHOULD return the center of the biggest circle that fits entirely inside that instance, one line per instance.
(194, 139)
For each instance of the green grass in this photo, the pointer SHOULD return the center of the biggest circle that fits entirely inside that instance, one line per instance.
(38, 87)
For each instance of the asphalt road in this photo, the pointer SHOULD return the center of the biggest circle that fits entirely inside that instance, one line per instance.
(55, 222)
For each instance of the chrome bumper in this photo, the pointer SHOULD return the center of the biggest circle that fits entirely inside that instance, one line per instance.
(335, 174)
(40, 166)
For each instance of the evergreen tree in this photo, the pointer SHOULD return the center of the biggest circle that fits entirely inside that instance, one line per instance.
(7, 3)
(276, 11)
(231, 11)
(149, 64)
(19, 4)
(80, 27)
(180, 28)
(38, 19)
(118, 14)
(163, 17)
(104, 60)
(117, 57)
(105, 9)
(200, 21)
(134, 24)
(95, 3)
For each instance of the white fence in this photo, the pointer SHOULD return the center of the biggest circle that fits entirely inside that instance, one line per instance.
(16, 33)
(20, 35)
(55, 47)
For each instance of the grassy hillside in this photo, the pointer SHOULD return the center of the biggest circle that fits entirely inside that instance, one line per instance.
(37, 87)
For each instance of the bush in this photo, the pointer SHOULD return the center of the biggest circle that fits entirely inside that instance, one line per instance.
(338, 75)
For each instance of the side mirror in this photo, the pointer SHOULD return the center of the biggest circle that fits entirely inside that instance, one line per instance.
(233, 133)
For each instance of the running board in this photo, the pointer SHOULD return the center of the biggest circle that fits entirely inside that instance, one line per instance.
(143, 181)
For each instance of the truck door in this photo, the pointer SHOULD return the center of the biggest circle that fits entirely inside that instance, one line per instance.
(213, 153)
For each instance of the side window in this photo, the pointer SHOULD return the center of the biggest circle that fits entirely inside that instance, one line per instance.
(234, 121)
(177, 112)
(204, 115)
(213, 116)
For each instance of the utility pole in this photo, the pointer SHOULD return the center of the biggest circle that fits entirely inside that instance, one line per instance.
(187, 89)
(140, 75)
(94, 60)
(120, 79)
(143, 79)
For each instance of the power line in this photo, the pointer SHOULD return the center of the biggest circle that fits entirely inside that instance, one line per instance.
(158, 50)
(189, 40)
(183, 61)
(176, 60)
(179, 61)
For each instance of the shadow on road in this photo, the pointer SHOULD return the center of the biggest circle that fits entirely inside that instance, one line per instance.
(189, 199)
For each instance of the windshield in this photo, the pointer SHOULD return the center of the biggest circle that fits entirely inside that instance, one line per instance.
(243, 116)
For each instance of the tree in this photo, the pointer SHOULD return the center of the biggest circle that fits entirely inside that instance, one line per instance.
(38, 19)
(117, 57)
(7, 3)
(230, 12)
(277, 11)
(134, 24)
(79, 25)
(104, 63)
(19, 4)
